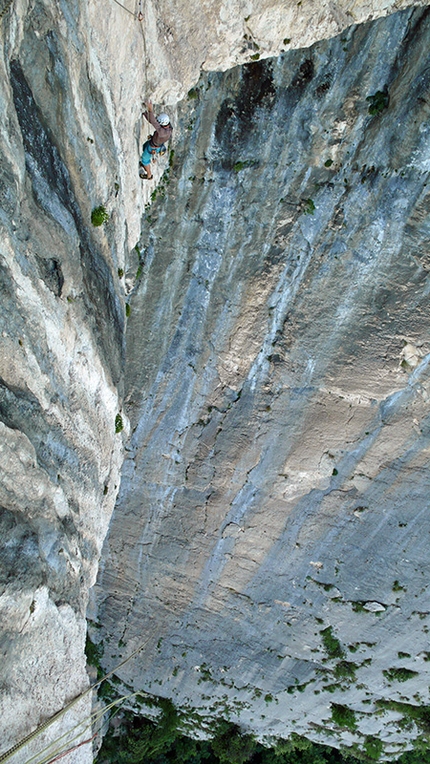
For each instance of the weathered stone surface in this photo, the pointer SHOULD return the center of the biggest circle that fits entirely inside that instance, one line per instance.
(182, 39)
(260, 372)
(275, 489)
(61, 359)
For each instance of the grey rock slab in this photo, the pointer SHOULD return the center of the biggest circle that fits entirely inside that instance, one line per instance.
(272, 520)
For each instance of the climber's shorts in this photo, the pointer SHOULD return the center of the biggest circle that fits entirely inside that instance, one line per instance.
(149, 152)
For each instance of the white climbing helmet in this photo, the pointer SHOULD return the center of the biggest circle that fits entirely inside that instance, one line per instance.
(163, 119)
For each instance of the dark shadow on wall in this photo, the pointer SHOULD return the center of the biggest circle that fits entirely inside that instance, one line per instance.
(53, 192)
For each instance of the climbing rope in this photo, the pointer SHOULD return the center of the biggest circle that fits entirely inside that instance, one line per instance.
(126, 9)
(75, 747)
(141, 17)
(87, 723)
(38, 731)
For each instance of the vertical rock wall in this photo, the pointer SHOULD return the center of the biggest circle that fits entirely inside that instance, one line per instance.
(73, 76)
(61, 359)
(270, 538)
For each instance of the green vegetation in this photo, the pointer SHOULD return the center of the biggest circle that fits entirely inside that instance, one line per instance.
(358, 607)
(94, 655)
(373, 747)
(164, 740)
(141, 741)
(420, 715)
(193, 94)
(399, 674)
(343, 716)
(161, 189)
(345, 670)
(331, 644)
(99, 216)
(308, 206)
(119, 426)
(231, 746)
(378, 101)
(127, 310)
(241, 165)
(120, 273)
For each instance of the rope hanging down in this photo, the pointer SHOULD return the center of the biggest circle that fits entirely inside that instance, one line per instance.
(138, 16)
(126, 9)
(7, 754)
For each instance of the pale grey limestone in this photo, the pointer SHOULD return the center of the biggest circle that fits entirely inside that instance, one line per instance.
(276, 482)
(275, 371)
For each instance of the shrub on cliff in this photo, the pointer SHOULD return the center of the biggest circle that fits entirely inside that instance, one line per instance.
(231, 746)
(99, 216)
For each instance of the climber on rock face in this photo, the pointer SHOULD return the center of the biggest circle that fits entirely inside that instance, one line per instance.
(155, 145)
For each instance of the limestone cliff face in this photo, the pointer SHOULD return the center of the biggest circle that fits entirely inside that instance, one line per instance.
(61, 360)
(181, 39)
(275, 363)
(271, 534)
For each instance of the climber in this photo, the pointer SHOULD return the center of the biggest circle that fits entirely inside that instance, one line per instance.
(155, 145)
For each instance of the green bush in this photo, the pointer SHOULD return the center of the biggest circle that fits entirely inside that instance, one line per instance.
(119, 426)
(345, 669)
(378, 101)
(331, 644)
(308, 206)
(243, 164)
(94, 654)
(156, 738)
(231, 746)
(373, 747)
(99, 216)
(343, 716)
(399, 674)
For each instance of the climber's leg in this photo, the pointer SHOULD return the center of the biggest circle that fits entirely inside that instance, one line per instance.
(145, 161)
